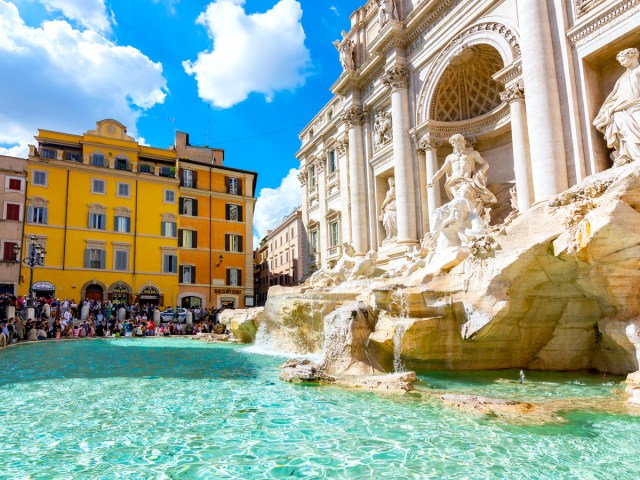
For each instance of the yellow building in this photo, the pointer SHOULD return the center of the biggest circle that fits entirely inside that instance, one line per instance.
(106, 210)
(215, 236)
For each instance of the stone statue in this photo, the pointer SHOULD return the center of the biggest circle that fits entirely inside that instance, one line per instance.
(345, 49)
(619, 117)
(464, 180)
(386, 11)
(327, 277)
(389, 215)
(456, 225)
(364, 267)
(382, 130)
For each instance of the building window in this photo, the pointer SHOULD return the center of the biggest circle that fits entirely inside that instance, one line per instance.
(39, 178)
(313, 241)
(234, 277)
(189, 206)
(234, 213)
(188, 239)
(169, 196)
(167, 172)
(188, 179)
(73, 156)
(97, 221)
(121, 164)
(124, 190)
(98, 186)
(287, 256)
(144, 168)
(97, 160)
(169, 263)
(12, 211)
(9, 253)
(187, 274)
(169, 229)
(48, 153)
(37, 215)
(234, 186)
(331, 161)
(121, 224)
(94, 258)
(312, 176)
(121, 260)
(233, 242)
(334, 233)
(14, 185)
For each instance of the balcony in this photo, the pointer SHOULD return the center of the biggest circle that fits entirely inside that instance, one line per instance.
(145, 168)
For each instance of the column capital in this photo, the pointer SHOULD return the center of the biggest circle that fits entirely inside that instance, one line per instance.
(427, 142)
(354, 116)
(513, 92)
(341, 146)
(397, 77)
(320, 163)
(302, 176)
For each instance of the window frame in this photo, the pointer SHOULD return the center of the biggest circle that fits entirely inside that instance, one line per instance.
(172, 258)
(5, 213)
(120, 251)
(165, 200)
(99, 219)
(93, 186)
(45, 173)
(123, 184)
(7, 185)
(127, 224)
(43, 214)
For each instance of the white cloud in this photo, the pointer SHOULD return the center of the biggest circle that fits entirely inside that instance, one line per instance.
(334, 9)
(275, 203)
(259, 52)
(89, 13)
(169, 4)
(21, 150)
(57, 77)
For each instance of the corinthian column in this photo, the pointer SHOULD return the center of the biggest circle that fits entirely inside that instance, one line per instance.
(430, 147)
(549, 166)
(396, 79)
(520, 139)
(354, 118)
(322, 199)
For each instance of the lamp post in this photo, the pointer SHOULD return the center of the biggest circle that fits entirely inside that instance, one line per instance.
(35, 257)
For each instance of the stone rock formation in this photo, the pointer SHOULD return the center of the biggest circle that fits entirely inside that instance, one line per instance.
(243, 324)
(559, 290)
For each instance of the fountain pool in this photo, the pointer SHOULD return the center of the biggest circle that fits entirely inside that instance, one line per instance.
(174, 408)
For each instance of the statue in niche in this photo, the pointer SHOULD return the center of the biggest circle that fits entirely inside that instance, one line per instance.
(386, 11)
(619, 117)
(327, 277)
(382, 130)
(345, 49)
(389, 215)
(464, 180)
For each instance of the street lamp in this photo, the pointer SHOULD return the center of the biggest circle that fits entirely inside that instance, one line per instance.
(35, 257)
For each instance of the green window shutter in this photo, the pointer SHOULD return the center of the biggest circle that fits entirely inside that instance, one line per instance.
(103, 258)
(194, 239)
(195, 207)
(227, 242)
(180, 237)
(89, 221)
(128, 222)
(162, 228)
(240, 213)
(86, 258)
(227, 212)
(239, 186)
(181, 205)
(30, 214)
(194, 176)
(180, 274)
(193, 275)
(45, 215)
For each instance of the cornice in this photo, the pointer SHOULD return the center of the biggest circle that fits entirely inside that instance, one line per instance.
(591, 26)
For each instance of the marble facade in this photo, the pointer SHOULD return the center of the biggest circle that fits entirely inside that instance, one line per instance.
(522, 80)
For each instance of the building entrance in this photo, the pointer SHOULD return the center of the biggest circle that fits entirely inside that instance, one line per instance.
(94, 292)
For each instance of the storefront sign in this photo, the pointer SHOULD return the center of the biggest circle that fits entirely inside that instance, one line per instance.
(44, 286)
(120, 290)
(149, 291)
(228, 291)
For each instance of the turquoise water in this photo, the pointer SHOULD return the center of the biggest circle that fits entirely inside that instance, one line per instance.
(173, 408)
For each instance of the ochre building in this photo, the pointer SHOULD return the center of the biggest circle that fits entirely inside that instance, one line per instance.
(108, 211)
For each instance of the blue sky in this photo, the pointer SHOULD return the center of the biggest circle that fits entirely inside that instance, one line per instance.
(154, 65)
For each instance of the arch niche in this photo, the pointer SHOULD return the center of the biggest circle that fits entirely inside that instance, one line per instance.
(461, 94)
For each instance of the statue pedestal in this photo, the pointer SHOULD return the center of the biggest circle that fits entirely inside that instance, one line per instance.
(391, 255)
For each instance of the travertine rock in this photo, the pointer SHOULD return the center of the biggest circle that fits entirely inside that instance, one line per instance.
(242, 323)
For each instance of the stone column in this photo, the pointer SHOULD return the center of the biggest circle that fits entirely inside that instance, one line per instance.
(306, 251)
(520, 139)
(430, 147)
(343, 178)
(549, 166)
(354, 118)
(321, 185)
(397, 79)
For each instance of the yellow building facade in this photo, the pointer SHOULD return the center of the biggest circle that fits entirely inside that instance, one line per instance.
(106, 210)
(215, 237)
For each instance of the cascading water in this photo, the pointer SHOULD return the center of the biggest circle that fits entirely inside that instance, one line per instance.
(401, 301)
(264, 341)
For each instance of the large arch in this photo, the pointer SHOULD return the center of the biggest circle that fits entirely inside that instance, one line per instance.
(493, 34)
(95, 281)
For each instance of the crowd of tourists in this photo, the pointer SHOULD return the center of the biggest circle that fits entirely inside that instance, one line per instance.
(68, 319)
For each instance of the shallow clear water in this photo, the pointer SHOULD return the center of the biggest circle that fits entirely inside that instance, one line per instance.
(173, 408)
